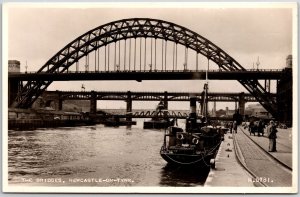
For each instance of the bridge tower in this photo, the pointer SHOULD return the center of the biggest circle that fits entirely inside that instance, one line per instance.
(285, 94)
(13, 85)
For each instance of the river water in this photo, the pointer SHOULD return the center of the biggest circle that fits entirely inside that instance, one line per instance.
(94, 156)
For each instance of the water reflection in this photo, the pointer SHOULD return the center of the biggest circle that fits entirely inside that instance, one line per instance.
(180, 176)
(96, 152)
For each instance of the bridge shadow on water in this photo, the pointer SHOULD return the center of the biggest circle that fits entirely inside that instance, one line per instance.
(183, 176)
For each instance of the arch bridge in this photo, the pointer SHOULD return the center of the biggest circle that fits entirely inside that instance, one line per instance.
(136, 45)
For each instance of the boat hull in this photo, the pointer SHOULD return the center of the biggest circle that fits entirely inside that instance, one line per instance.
(119, 123)
(157, 124)
(187, 159)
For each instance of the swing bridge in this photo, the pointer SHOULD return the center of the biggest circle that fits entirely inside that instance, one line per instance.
(141, 49)
(167, 114)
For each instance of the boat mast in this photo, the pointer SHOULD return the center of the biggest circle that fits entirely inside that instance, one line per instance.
(205, 101)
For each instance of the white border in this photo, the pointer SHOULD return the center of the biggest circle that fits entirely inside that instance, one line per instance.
(10, 188)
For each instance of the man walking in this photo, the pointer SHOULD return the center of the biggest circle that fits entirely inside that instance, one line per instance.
(271, 132)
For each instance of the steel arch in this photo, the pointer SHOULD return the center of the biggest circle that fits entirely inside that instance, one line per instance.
(135, 28)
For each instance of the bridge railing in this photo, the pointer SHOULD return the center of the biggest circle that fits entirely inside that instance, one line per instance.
(161, 93)
(168, 71)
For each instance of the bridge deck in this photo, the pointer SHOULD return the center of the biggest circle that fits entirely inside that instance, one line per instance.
(148, 96)
(273, 74)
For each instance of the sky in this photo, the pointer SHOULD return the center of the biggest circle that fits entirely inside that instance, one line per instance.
(36, 33)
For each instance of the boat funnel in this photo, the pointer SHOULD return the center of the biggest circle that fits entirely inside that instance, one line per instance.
(193, 100)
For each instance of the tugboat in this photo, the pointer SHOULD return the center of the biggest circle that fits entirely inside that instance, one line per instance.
(197, 144)
(159, 122)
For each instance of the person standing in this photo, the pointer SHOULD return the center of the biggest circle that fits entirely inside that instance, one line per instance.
(260, 128)
(271, 132)
(231, 126)
(234, 126)
(251, 126)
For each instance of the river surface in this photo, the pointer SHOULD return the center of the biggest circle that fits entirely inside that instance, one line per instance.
(94, 156)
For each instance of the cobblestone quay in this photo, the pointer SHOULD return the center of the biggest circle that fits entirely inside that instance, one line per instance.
(266, 169)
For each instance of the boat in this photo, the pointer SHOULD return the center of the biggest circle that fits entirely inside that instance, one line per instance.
(158, 124)
(196, 144)
(116, 122)
(159, 121)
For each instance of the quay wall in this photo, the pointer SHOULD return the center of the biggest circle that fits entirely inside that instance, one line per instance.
(29, 119)
(31, 124)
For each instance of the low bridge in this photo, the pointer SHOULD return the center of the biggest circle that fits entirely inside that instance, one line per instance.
(59, 96)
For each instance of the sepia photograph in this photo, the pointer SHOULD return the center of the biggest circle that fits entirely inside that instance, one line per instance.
(150, 98)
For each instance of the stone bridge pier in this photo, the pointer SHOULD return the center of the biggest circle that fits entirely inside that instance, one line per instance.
(93, 103)
(129, 107)
(242, 103)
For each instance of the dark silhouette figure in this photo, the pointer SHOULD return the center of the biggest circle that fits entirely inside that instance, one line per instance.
(237, 117)
(260, 128)
(271, 133)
